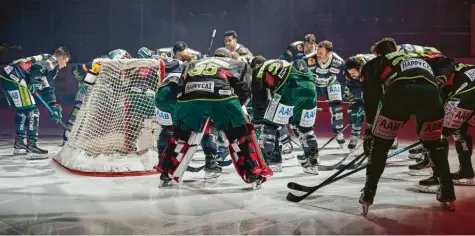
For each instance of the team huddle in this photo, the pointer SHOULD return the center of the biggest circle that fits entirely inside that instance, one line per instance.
(234, 103)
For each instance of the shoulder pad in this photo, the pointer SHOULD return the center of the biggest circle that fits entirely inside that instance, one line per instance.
(296, 43)
(165, 50)
(337, 57)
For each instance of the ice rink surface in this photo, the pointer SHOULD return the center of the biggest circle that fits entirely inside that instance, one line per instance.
(39, 197)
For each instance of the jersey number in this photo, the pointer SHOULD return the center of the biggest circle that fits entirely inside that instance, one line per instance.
(208, 69)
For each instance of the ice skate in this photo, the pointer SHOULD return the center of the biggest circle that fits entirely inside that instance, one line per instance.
(446, 197)
(275, 160)
(165, 181)
(430, 185)
(35, 152)
(310, 165)
(255, 181)
(275, 167)
(212, 170)
(20, 148)
(287, 151)
(395, 144)
(423, 167)
(340, 139)
(353, 142)
(464, 178)
(413, 153)
(366, 199)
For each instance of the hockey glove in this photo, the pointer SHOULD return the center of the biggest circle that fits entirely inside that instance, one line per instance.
(35, 85)
(57, 113)
(368, 140)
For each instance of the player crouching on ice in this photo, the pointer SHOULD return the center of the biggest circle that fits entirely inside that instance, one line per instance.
(21, 79)
(165, 101)
(281, 90)
(391, 83)
(213, 88)
(459, 96)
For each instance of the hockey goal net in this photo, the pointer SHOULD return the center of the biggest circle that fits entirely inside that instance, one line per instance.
(116, 129)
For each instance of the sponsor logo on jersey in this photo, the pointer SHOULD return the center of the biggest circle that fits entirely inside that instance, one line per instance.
(283, 72)
(8, 69)
(334, 70)
(416, 63)
(199, 86)
(321, 71)
(470, 74)
(225, 92)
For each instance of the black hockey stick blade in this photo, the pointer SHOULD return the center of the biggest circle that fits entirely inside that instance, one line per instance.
(295, 186)
(225, 163)
(338, 164)
(195, 169)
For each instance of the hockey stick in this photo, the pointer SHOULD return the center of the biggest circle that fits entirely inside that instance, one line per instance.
(49, 109)
(212, 39)
(355, 165)
(334, 137)
(337, 165)
(295, 186)
(195, 169)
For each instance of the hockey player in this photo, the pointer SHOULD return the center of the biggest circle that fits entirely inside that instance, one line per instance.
(178, 50)
(80, 72)
(442, 67)
(281, 90)
(395, 80)
(459, 94)
(299, 49)
(231, 43)
(354, 95)
(214, 88)
(21, 79)
(331, 82)
(165, 101)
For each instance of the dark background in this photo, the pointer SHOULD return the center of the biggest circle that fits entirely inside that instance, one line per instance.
(90, 28)
(93, 27)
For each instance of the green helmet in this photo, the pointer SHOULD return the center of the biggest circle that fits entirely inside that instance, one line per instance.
(119, 54)
(144, 52)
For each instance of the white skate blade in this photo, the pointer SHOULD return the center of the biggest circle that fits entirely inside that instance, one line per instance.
(464, 182)
(211, 175)
(256, 185)
(19, 152)
(34, 156)
(164, 184)
(365, 207)
(450, 206)
(423, 172)
(428, 189)
(276, 167)
(288, 156)
(313, 170)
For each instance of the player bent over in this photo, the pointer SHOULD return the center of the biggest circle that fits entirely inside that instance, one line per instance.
(354, 95)
(459, 94)
(281, 90)
(21, 79)
(213, 88)
(165, 101)
(391, 83)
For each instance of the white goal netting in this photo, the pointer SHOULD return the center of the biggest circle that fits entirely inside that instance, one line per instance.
(116, 128)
